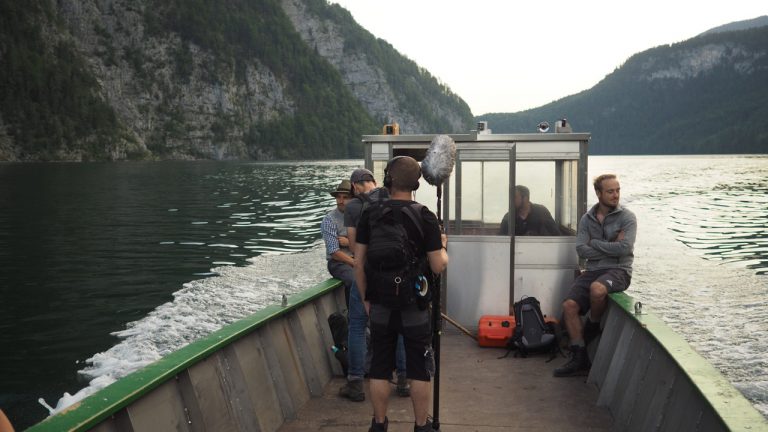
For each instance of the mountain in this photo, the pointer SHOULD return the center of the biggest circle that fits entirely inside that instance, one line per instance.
(739, 25)
(195, 79)
(708, 94)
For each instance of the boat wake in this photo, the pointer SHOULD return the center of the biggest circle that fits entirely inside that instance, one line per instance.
(198, 309)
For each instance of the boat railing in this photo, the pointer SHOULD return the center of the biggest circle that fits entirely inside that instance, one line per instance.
(258, 370)
(650, 378)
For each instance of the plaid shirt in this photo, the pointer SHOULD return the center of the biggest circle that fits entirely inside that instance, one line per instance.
(332, 227)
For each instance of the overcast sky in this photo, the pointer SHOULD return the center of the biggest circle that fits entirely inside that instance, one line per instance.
(511, 55)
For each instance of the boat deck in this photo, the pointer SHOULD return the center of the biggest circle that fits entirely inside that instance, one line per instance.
(478, 392)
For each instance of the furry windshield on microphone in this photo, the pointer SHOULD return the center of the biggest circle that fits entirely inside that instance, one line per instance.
(437, 165)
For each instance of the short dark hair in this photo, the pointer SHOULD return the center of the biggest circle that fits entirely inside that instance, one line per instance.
(598, 183)
(524, 191)
(405, 173)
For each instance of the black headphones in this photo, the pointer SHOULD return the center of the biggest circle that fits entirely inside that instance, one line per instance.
(388, 178)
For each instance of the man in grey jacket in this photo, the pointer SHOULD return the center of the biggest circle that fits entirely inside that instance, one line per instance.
(606, 240)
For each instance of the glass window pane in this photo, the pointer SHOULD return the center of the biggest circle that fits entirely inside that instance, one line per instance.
(552, 202)
(495, 192)
(539, 178)
(484, 196)
(471, 196)
(535, 198)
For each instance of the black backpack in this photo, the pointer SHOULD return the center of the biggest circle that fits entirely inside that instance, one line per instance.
(339, 331)
(393, 265)
(532, 333)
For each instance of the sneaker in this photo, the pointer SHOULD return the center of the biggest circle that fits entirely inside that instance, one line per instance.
(353, 390)
(426, 428)
(577, 365)
(379, 427)
(403, 389)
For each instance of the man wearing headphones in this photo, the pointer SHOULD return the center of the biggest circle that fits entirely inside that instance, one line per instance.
(389, 293)
(365, 192)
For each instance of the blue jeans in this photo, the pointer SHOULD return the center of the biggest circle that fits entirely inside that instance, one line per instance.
(345, 273)
(358, 347)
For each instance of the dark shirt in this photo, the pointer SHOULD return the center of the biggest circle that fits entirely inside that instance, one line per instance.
(538, 223)
(354, 208)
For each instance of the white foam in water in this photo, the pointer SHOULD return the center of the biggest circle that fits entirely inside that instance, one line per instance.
(198, 309)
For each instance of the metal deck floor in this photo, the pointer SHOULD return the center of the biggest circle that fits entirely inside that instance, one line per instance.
(478, 392)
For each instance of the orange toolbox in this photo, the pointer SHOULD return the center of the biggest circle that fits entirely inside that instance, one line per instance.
(495, 330)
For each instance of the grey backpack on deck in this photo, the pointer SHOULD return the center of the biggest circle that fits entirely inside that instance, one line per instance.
(532, 333)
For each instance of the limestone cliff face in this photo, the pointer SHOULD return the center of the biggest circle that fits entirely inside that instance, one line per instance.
(205, 80)
(367, 81)
(363, 75)
(154, 101)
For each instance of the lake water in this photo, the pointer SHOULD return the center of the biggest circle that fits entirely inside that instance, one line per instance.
(107, 267)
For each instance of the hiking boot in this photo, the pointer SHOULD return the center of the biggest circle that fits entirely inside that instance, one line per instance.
(577, 365)
(403, 389)
(591, 332)
(378, 427)
(426, 428)
(353, 390)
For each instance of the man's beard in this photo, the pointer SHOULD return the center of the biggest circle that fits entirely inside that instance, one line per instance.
(608, 205)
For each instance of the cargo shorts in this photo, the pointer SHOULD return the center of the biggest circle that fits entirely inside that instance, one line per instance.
(614, 279)
(414, 325)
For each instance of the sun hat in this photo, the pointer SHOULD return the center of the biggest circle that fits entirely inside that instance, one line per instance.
(344, 187)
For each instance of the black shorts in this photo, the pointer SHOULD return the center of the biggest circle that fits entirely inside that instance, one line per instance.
(614, 279)
(414, 325)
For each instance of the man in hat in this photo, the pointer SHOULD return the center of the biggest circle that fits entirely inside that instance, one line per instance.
(337, 251)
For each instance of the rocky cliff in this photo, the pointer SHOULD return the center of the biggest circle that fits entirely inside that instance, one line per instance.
(365, 75)
(191, 79)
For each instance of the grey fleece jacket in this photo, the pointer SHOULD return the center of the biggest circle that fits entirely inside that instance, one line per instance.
(596, 243)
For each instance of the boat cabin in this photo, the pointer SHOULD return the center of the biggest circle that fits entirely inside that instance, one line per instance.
(492, 266)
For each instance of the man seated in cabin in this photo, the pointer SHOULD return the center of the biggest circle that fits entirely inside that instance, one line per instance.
(337, 251)
(606, 240)
(530, 219)
(387, 281)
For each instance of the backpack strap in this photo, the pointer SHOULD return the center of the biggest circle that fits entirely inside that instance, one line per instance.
(413, 211)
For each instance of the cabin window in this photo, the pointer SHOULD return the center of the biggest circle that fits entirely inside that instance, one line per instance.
(568, 212)
(551, 187)
(484, 205)
(484, 197)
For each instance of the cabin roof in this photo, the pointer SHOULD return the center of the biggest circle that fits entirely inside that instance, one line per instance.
(474, 137)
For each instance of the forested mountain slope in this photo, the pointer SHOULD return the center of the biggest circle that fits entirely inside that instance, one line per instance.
(173, 79)
(708, 94)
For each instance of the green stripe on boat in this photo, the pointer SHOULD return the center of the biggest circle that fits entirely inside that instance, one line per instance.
(92, 410)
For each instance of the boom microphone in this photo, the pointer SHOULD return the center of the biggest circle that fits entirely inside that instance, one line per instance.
(437, 165)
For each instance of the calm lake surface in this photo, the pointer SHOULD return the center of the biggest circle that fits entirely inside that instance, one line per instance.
(107, 267)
